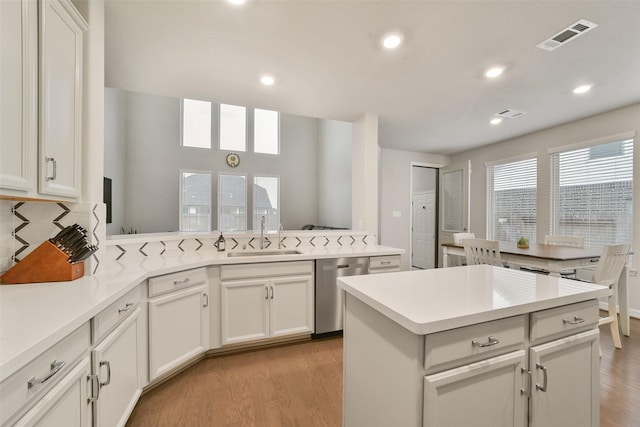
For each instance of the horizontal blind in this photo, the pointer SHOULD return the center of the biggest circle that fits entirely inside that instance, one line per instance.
(592, 193)
(512, 205)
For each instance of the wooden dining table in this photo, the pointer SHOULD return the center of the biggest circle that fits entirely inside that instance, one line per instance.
(553, 259)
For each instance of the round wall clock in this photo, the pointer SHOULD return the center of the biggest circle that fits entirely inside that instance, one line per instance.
(233, 160)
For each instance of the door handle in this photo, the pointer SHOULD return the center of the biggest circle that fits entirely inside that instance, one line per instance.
(108, 365)
(206, 300)
(55, 169)
(542, 387)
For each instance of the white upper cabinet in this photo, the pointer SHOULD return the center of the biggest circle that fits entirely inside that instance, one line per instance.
(60, 121)
(41, 103)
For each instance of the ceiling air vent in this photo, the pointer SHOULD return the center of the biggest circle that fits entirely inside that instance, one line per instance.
(568, 34)
(510, 113)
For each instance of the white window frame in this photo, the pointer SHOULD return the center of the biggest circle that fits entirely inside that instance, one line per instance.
(221, 124)
(182, 124)
(220, 205)
(255, 132)
(591, 239)
(181, 198)
(271, 225)
(514, 234)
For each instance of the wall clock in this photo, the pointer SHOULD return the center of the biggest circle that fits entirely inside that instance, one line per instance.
(233, 160)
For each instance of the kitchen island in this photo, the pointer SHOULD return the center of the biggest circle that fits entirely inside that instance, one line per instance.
(474, 345)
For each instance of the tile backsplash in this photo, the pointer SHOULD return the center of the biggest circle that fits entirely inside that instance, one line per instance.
(25, 225)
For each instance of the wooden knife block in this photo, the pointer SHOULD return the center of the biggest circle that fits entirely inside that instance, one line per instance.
(47, 263)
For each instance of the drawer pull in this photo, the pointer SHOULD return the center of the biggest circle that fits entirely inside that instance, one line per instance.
(95, 385)
(385, 262)
(127, 307)
(576, 320)
(108, 365)
(56, 365)
(181, 282)
(527, 390)
(492, 341)
(542, 387)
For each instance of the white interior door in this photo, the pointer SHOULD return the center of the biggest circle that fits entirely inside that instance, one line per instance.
(423, 231)
(454, 200)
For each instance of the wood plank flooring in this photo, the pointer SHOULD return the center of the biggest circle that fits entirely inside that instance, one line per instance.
(301, 385)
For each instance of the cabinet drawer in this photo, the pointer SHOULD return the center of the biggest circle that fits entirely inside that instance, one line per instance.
(562, 321)
(110, 317)
(42, 372)
(382, 264)
(272, 269)
(455, 347)
(180, 280)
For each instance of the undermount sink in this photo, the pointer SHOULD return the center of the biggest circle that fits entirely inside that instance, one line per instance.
(262, 253)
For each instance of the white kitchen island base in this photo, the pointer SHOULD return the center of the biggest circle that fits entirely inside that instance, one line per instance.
(520, 356)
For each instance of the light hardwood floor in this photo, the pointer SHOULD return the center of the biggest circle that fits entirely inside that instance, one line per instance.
(301, 385)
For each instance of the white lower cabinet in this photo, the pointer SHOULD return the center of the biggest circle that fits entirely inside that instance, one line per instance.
(260, 301)
(115, 367)
(566, 390)
(67, 404)
(482, 394)
(178, 328)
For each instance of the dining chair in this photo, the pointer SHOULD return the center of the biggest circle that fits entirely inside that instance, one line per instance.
(481, 251)
(607, 273)
(568, 241)
(458, 238)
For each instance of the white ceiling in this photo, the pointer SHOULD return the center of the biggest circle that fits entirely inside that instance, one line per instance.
(430, 95)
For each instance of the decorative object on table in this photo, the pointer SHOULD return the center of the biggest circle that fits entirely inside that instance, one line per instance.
(220, 244)
(233, 160)
(58, 259)
(523, 243)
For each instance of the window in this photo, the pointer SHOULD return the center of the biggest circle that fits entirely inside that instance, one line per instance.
(232, 202)
(266, 135)
(266, 202)
(591, 192)
(233, 127)
(511, 205)
(196, 123)
(195, 201)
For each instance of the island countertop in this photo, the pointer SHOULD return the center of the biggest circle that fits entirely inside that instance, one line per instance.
(429, 301)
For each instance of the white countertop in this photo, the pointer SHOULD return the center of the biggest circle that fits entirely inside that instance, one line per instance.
(429, 301)
(35, 316)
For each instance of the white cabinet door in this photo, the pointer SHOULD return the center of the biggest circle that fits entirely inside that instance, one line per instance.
(115, 361)
(244, 310)
(60, 114)
(566, 388)
(291, 306)
(482, 394)
(178, 328)
(18, 103)
(66, 404)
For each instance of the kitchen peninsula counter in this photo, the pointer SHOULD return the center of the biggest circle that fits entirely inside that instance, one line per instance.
(35, 316)
(421, 347)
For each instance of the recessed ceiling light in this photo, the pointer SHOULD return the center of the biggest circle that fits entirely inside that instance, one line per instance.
(237, 2)
(494, 72)
(392, 40)
(582, 89)
(496, 121)
(267, 80)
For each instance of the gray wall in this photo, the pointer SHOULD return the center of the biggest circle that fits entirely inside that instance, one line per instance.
(154, 158)
(115, 156)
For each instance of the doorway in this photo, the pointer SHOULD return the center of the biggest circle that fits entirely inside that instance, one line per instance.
(424, 216)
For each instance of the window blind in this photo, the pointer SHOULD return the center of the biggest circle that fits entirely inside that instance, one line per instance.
(592, 193)
(512, 206)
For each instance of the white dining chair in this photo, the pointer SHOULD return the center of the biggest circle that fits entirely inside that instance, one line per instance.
(458, 238)
(481, 251)
(607, 273)
(567, 241)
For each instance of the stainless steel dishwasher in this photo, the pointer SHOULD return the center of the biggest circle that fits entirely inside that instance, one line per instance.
(329, 296)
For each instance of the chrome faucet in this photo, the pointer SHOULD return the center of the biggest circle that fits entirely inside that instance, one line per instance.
(262, 224)
(279, 239)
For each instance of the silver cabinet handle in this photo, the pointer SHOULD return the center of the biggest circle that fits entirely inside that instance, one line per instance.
(492, 341)
(108, 365)
(542, 387)
(206, 300)
(95, 385)
(271, 292)
(385, 262)
(181, 282)
(527, 390)
(266, 288)
(55, 169)
(56, 365)
(576, 320)
(127, 307)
